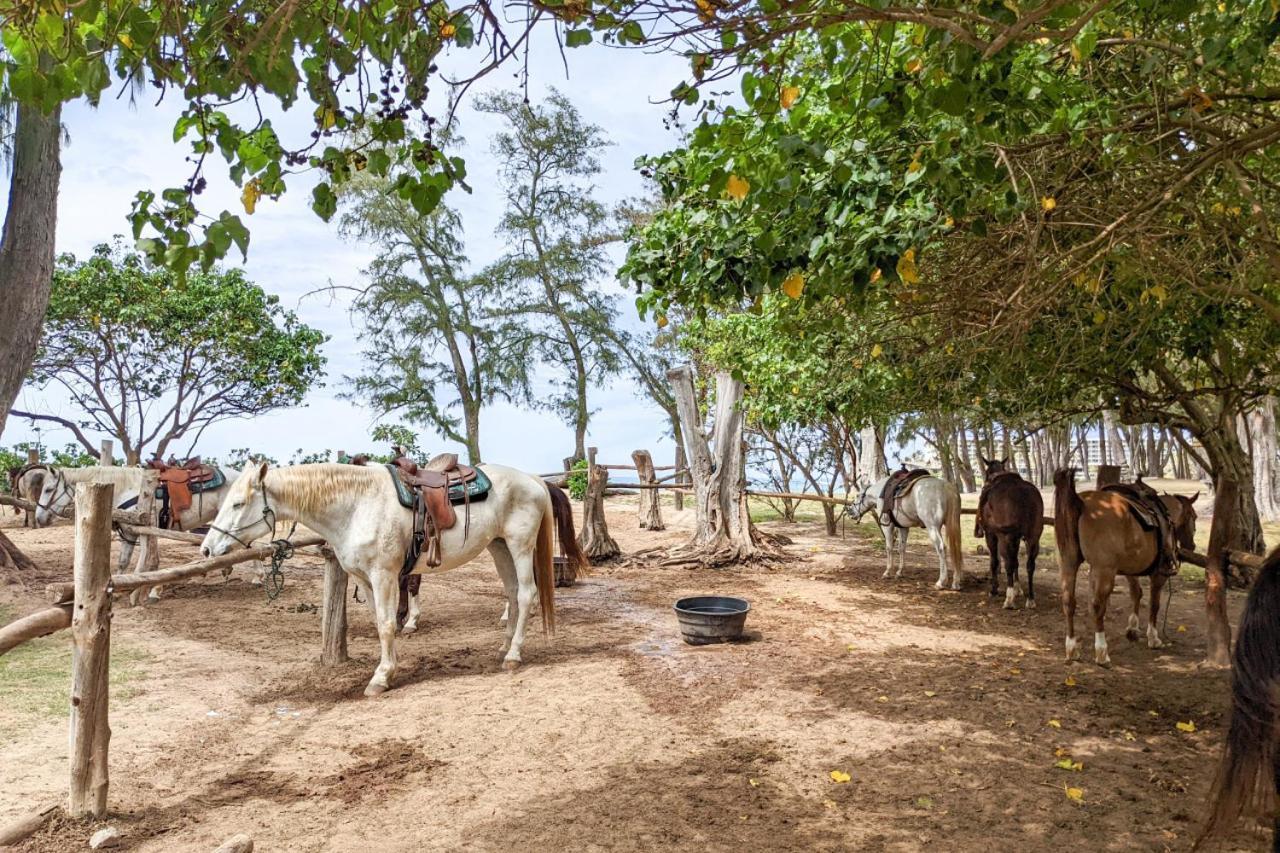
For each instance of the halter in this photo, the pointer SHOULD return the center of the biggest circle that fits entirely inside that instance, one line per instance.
(65, 488)
(268, 518)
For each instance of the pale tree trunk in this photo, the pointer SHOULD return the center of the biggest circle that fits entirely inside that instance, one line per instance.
(723, 532)
(871, 463)
(964, 463)
(594, 540)
(650, 502)
(682, 476)
(1266, 466)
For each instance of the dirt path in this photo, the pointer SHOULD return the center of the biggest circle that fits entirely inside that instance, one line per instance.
(617, 736)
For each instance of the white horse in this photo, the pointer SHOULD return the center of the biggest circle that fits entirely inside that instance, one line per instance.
(26, 483)
(933, 504)
(356, 510)
(57, 497)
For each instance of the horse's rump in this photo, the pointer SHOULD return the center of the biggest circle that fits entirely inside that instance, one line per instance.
(1012, 505)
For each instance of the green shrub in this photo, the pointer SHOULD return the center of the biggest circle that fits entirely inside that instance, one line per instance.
(577, 481)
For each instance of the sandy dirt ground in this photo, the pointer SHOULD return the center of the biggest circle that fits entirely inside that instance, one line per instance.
(947, 712)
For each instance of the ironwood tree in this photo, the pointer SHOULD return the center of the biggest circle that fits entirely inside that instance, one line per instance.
(151, 361)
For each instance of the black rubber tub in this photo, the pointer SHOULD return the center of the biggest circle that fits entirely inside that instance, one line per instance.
(706, 619)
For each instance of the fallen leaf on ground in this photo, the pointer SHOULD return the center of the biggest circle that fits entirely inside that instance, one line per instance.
(1068, 764)
(831, 804)
(1060, 752)
(930, 693)
(1182, 629)
(1130, 736)
(1071, 681)
(753, 783)
(1154, 713)
(1015, 670)
(1056, 724)
(839, 777)
(1187, 727)
(882, 698)
(1075, 795)
(924, 802)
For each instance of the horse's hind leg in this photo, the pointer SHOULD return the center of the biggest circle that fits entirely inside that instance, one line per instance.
(939, 546)
(386, 591)
(1153, 615)
(507, 573)
(526, 595)
(993, 548)
(1009, 555)
(902, 550)
(1132, 633)
(1067, 575)
(411, 620)
(1104, 582)
(1033, 551)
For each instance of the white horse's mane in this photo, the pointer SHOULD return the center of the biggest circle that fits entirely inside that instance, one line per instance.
(310, 488)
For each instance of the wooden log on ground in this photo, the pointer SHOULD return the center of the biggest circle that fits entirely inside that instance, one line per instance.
(594, 539)
(236, 844)
(91, 651)
(333, 613)
(24, 827)
(34, 625)
(57, 593)
(649, 505)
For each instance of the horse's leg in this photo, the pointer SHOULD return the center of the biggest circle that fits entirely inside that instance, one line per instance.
(993, 548)
(1067, 577)
(1153, 614)
(411, 620)
(1135, 599)
(1009, 556)
(507, 573)
(887, 532)
(126, 554)
(935, 537)
(526, 596)
(1104, 581)
(1033, 551)
(902, 550)
(385, 598)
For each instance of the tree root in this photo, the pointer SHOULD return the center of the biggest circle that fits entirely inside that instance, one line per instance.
(12, 557)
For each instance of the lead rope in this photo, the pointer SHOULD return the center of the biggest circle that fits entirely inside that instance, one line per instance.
(1168, 600)
(273, 581)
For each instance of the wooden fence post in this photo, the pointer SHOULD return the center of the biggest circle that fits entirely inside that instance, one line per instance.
(107, 455)
(594, 539)
(649, 507)
(148, 556)
(91, 650)
(333, 614)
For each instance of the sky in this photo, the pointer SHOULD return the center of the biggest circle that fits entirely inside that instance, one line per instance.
(120, 148)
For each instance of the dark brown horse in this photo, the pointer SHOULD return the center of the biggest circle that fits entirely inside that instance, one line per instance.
(1249, 773)
(1099, 528)
(1010, 510)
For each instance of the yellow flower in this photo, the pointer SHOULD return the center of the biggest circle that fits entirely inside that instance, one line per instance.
(1048, 203)
(789, 96)
(877, 351)
(737, 188)
(448, 30)
(793, 285)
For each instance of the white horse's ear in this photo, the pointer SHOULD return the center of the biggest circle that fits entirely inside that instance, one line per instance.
(262, 473)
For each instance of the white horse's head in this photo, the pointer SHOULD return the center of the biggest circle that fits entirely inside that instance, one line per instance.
(865, 503)
(245, 514)
(55, 499)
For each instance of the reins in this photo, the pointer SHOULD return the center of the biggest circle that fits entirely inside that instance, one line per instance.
(283, 547)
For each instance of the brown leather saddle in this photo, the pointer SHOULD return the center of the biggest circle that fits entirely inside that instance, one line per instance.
(1150, 512)
(177, 483)
(898, 487)
(433, 512)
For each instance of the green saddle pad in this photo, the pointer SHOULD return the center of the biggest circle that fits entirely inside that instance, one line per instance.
(473, 492)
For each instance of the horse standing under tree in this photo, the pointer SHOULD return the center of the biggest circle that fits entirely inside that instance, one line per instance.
(1010, 510)
(358, 511)
(1102, 528)
(927, 502)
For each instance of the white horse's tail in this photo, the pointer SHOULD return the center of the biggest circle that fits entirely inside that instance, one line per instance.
(544, 570)
(953, 533)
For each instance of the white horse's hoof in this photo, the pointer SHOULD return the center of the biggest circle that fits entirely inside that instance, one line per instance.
(955, 584)
(1073, 649)
(154, 596)
(1100, 655)
(1031, 604)
(511, 665)
(375, 689)
(409, 628)
(940, 585)
(1010, 598)
(1153, 638)
(888, 573)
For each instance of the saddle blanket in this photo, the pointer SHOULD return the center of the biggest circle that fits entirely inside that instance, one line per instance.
(473, 492)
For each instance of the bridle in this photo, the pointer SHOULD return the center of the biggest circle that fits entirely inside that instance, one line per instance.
(268, 518)
(64, 490)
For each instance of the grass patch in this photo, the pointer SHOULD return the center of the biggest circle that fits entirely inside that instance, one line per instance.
(35, 678)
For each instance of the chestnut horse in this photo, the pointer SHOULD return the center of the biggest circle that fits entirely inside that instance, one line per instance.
(1010, 510)
(1249, 772)
(1097, 528)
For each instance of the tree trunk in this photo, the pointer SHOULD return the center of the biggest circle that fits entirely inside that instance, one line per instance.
(650, 501)
(964, 464)
(1266, 464)
(723, 532)
(1115, 447)
(871, 462)
(11, 557)
(1218, 628)
(91, 651)
(594, 540)
(27, 246)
